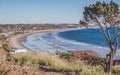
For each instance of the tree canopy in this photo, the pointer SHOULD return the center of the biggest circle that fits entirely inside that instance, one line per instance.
(107, 13)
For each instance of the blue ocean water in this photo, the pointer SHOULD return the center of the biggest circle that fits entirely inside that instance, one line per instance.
(80, 39)
(88, 36)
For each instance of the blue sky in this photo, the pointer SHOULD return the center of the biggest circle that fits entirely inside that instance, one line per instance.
(43, 11)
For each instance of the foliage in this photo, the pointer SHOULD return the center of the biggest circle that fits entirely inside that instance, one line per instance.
(3, 38)
(7, 47)
(116, 70)
(106, 11)
(92, 59)
(66, 55)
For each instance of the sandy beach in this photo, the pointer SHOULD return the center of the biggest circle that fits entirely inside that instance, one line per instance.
(15, 41)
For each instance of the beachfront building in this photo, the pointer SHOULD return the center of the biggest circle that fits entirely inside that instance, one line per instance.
(15, 51)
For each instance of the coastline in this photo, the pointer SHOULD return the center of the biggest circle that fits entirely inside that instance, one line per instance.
(16, 40)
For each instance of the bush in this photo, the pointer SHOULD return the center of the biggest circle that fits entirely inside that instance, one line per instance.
(3, 38)
(67, 56)
(7, 47)
(92, 59)
(116, 71)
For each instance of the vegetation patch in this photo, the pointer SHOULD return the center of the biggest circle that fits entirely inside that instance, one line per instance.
(7, 47)
(49, 61)
(93, 60)
(55, 64)
(66, 55)
(2, 70)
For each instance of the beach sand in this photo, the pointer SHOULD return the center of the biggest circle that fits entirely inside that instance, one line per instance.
(16, 40)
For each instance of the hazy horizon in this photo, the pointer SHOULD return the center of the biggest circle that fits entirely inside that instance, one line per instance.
(43, 11)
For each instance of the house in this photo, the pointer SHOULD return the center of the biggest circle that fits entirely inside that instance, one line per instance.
(15, 51)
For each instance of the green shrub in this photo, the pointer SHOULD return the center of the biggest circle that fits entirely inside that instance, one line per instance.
(92, 59)
(7, 47)
(67, 56)
(116, 71)
(24, 59)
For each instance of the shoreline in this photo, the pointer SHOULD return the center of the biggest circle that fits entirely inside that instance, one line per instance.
(16, 40)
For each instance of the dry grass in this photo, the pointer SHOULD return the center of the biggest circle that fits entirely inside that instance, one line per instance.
(51, 61)
(3, 71)
(54, 63)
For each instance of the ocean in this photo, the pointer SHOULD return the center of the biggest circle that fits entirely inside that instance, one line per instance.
(74, 40)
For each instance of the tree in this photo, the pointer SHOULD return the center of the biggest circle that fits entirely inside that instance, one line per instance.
(106, 16)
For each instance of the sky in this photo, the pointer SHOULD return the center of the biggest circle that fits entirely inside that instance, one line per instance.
(43, 11)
